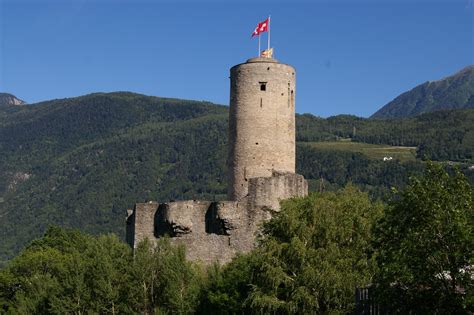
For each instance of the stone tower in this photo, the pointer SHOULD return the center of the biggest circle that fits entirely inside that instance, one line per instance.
(261, 166)
(261, 122)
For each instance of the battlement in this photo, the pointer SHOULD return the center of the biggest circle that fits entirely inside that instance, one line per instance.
(214, 231)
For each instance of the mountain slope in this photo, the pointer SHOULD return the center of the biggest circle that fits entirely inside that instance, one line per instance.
(456, 91)
(80, 162)
(9, 99)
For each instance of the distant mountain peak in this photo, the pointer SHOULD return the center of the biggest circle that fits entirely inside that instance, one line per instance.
(452, 92)
(10, 99)
(467, 69)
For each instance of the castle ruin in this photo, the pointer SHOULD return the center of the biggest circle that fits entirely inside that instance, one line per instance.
(261, 167)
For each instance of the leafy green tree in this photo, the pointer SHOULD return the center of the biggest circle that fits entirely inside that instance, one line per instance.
(425, 246)
(314, 253)
(33, 281)
(74, 296)
(229, 286)
(67, 272)
(107, 262)
(163, 280)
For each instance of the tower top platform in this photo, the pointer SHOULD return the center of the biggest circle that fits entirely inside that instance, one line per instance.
(261, 59)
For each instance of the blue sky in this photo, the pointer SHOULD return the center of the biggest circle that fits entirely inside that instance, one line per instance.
(351, 57)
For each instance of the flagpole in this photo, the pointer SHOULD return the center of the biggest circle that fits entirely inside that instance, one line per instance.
(258, 54)
(269, 32)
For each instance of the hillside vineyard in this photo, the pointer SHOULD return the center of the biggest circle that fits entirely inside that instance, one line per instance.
(261, 168)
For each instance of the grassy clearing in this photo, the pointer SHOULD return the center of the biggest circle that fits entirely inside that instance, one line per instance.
(374, 151)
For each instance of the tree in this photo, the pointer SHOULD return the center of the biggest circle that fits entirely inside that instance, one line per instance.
(163, 281)
(314, 253)
(67, 272)
(425, 246)
(229, 286)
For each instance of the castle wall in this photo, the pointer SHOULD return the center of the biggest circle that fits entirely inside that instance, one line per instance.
(140, 223)
(261, 122)
(214, 231)
(269, 191)
(180, 218)
(218, 238)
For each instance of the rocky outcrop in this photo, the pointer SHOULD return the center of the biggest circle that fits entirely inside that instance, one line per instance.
(9, 99)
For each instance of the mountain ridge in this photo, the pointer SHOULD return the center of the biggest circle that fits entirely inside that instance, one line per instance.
(452, 92)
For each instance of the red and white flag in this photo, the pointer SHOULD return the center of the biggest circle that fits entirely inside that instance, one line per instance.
(261, 27)
(256, 31)
(264, 25)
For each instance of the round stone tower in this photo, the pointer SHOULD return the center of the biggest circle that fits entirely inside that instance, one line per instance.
(261, 122)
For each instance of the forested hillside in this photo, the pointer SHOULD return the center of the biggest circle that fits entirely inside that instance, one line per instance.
(81, 162)
(441, 135)
(453, 92)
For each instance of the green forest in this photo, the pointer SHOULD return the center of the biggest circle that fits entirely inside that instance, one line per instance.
(81, 162)
(414, 254)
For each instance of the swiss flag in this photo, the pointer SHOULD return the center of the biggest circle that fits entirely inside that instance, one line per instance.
(261, 27)
(256, 31)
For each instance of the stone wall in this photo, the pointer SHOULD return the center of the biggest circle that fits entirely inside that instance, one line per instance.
(214, 231)
(140, 222)
(269, 191)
